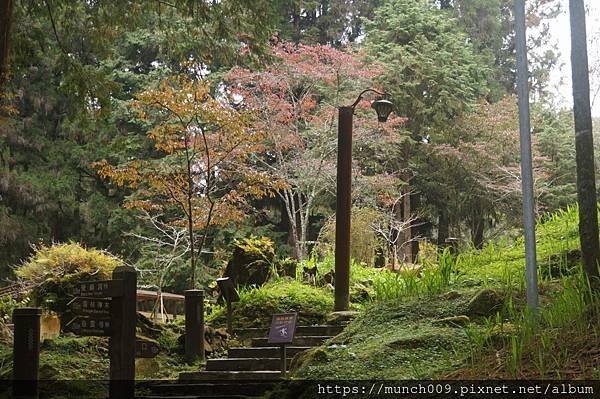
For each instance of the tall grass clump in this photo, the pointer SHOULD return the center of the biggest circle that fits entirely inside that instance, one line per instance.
(551, 343)
(429, 279)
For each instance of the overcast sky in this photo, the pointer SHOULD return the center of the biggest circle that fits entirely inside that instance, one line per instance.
(560, 31)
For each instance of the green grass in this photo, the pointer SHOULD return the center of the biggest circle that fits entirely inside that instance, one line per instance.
(395, 338)
(498, 263)
(257, 305)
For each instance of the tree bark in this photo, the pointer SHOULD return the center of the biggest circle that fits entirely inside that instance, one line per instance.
(443, 229)
(584, 143)
(477, 228)
(6, 17)
(404, 243)
(417, 230)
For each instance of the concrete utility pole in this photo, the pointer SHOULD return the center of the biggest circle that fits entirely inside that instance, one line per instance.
(584, 143)
(526, 159)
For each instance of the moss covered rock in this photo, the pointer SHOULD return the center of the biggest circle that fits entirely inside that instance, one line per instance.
(309, 356)
(251, 262)
(486, 302)
(56, 270)
(257, 305)
(146, 368)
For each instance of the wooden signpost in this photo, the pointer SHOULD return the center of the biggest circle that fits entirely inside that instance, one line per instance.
(90, 307)
(99, 289)
(194, 325)
(102, 308)
(283, 328)
(108, 309)
(26, 352)
(90, 326)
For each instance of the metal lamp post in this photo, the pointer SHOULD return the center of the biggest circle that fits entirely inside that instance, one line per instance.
(383, 108)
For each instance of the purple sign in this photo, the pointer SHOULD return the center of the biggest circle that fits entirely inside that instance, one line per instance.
(283, 327)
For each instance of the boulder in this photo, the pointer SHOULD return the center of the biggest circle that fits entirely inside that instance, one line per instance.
(485, 303)
(502, 333)
(148, 327)
(251, 262)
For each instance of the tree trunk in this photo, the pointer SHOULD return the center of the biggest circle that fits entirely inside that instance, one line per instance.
(405, 241)
(584, 143)
(404, 244)
(443, 229)
(289, 198)
(477, 229)
(417, 230)
(6, 17)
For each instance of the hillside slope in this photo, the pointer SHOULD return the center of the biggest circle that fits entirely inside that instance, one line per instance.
(478, 326)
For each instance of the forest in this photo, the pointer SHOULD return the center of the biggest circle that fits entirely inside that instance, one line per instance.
(88, 152)
(190, 138)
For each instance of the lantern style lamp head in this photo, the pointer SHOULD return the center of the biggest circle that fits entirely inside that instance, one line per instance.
(383, 108)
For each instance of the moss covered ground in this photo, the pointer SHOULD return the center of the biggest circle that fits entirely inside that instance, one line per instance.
(257, 305)
(400, 334)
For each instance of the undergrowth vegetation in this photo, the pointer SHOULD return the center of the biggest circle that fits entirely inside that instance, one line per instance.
(509, 341)
(258, 304)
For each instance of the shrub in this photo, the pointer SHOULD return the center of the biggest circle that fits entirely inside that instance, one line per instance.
(257, 305)
(57, 269)
(363, 240)
(8, 304)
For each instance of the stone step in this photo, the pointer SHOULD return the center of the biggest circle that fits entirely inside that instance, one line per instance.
(264, 352)
(246, 333)
(218, 376)
(245, 364)
(223, 389)
(309, 340)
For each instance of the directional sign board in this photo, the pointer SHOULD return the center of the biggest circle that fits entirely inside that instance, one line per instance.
(146, 349)
(90, 326)
(90, 307)
(99, 289)
(283, 327)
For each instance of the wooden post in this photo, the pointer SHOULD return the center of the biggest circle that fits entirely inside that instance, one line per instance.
(26, 352)
(121, 345)
(229, 318)
(283, 354)
(342, 210)
(194, 325)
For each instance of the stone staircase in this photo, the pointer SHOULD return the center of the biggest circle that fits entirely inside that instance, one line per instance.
(247, 371)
